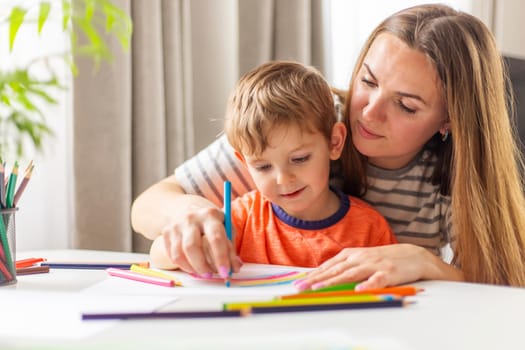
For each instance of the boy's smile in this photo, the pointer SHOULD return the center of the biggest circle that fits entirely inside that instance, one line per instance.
(293, 172)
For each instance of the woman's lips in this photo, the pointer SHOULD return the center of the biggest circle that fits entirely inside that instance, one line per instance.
(366, 133)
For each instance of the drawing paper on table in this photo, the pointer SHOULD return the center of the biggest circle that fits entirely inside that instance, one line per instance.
(193, 287)
(28, 314)
(257, 280)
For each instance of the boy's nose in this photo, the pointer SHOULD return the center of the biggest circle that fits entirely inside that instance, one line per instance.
(284, 177)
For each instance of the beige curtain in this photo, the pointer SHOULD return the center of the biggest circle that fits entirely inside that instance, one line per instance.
(136, 119)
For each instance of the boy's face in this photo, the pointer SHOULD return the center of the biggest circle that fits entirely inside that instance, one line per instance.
(293, 171)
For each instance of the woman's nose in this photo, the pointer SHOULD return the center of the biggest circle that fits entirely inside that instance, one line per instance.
(375, 108)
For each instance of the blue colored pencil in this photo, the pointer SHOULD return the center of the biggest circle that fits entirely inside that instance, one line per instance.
(162, 314)
(329, 307)
(91, 265)
(228, 217)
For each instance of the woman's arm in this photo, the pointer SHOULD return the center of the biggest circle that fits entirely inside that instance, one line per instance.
(187, 230)
(161, 204)
(378, 267)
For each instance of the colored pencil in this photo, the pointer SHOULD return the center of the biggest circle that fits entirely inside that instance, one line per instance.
(305, 302)
(4, 243)
(154, 273)
(11, 185)
(337, 287)
(140, 278)
(32, 270)
(2, 184)
(286, 277)
(28, 262)
(92, 265)
(5, 270)
(23, 184)
(401, 291)
(329, 307)
(228, 218)
(153, 315)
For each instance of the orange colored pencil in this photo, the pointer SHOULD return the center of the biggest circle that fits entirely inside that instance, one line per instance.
(28, 262)
(401, 291)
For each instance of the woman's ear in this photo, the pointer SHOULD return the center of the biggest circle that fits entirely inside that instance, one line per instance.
(444, 128)
(337, 140)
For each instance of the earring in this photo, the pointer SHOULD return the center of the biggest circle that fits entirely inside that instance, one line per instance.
(444, 136)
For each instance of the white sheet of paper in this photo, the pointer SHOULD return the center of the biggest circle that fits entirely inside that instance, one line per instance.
(194, 287)
(36, 315)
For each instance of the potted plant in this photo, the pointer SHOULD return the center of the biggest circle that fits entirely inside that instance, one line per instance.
(88, 23)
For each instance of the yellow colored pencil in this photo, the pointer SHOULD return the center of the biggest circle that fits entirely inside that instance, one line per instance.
(154, 273)
(303, 302)
(400, 291)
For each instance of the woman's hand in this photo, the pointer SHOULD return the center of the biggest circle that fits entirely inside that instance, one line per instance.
(187, 230)
(197, 243)
(378, 267)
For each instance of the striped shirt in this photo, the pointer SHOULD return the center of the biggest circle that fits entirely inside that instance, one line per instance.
(414, 208)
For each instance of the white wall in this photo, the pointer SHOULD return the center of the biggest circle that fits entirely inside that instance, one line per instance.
(508, 27)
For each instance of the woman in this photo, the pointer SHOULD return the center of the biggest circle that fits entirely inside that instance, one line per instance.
(431, 147)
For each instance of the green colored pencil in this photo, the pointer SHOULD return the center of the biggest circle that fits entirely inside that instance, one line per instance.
(334, 288)
(11, 186)
(5, 244)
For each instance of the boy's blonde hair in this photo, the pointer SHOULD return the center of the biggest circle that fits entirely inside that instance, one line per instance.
(278, 93)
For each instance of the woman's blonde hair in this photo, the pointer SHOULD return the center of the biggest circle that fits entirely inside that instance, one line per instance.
(277, 93)
(480, 164)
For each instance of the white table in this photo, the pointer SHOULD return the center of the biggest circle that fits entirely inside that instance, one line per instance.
(446, 315)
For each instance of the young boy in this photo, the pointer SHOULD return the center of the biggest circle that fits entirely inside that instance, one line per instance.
(281, 121)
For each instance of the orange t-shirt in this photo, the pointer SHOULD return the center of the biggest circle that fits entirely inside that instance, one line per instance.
(265, 234)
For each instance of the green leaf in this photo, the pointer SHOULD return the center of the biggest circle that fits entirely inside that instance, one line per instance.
(15, 21)
(45, 7)
(66, 13)
(119, 23)
(90, 9)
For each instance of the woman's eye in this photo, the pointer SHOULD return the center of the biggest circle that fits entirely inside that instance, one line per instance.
(406, 109)
(368, 82)
(301, 159)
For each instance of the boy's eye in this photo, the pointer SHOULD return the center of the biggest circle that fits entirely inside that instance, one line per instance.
(301, 159)
(264, 167)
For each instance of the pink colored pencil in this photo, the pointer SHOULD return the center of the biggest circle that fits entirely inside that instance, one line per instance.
(140, 278)
(5, 271)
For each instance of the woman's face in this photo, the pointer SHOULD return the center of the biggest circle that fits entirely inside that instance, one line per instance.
(397, 105)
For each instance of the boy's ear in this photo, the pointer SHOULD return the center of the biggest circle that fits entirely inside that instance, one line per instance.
(240, 157)
(337, 141)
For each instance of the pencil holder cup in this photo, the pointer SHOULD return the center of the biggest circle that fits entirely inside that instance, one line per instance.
(7, 246)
